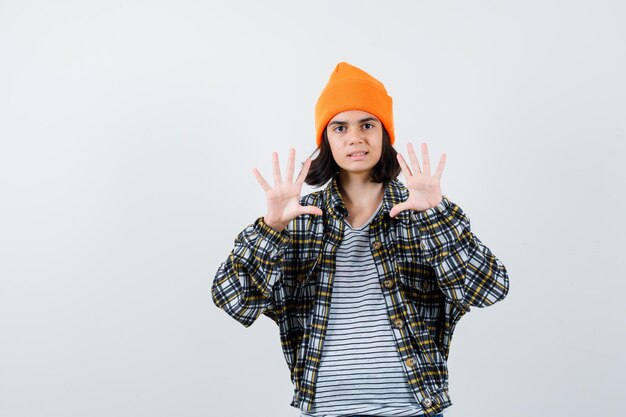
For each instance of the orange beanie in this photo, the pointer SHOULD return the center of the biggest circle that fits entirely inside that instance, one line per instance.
(350, 88)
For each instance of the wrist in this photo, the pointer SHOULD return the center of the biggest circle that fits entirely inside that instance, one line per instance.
(279, 227)
(273, 236)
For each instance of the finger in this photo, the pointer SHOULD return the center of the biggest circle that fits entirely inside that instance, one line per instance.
(290, 165)
(425, 159)
(311, 210)
(304, 171)
(261, 180)
(406, 171)
(276, 166)
(442, 164)
(414, 162)
(398, 208)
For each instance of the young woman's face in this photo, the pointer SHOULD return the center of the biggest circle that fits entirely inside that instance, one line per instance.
(356, 140)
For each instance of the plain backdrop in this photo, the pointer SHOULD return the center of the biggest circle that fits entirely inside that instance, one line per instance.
(129, 130)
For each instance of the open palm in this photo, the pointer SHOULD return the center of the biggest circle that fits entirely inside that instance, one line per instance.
(283, 200)
(424, 189)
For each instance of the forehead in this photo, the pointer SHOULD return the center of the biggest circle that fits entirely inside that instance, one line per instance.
(351, 116)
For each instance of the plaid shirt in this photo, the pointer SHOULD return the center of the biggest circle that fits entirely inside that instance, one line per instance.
(431, 268)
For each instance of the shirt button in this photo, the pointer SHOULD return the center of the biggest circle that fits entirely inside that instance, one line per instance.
(388, 283)
(410, 362)
(300, 278)
(413, 217)
(427, 402)
(376, 245)
(398, 323)
(425, 285)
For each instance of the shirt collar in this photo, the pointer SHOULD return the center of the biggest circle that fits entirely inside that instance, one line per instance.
(395, 193)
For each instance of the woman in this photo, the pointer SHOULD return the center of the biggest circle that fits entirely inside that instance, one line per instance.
(366, 278)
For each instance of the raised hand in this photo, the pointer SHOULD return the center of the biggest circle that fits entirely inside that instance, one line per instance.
(283, 200)
(424, 189)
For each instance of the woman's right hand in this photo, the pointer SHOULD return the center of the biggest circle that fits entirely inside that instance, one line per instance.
(283, 200)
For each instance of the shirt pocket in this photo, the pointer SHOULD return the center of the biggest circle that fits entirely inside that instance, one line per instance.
(301, 272)
(303, 288)
(417, 277)
(418, 286)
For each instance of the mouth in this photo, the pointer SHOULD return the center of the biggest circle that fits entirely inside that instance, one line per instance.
(360, 154)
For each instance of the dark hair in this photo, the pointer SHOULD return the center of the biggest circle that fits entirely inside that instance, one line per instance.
(323, 168)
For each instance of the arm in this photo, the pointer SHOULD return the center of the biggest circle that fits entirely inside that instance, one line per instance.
(243, 283)
(467, 271)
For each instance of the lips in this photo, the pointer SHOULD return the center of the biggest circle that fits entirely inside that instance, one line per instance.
(358, 156)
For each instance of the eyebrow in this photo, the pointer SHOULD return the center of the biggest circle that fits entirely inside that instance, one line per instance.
(341, 122)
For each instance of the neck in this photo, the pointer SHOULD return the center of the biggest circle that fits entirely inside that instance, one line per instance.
(358, 190)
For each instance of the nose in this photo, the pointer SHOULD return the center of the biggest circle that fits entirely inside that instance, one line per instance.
(355, 137)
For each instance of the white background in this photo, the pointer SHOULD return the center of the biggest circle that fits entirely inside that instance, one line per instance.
(129, 130)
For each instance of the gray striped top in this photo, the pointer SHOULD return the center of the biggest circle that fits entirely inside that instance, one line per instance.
(360, 372)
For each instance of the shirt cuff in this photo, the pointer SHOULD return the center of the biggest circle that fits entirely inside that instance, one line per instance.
(430, 216)
(440, 227)
(273, 236)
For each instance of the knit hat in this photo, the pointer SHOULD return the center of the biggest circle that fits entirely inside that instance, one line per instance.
(351, 88)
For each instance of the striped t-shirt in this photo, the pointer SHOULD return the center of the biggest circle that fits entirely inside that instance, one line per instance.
(360, 372)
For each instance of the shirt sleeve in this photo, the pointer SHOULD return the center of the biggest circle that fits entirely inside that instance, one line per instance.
(467, 271)
(243, 283)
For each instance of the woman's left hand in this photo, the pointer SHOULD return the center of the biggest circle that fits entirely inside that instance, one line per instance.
(424, 189)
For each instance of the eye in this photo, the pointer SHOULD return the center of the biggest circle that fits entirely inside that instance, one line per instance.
(368, 125)
(339, 127)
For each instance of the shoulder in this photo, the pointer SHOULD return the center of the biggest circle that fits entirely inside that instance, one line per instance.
(315, 198)
(306, 223)
(307, 230)
(398, 186)
(397, 190)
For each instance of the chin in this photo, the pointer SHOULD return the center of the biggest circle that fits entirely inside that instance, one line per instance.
(354, 170)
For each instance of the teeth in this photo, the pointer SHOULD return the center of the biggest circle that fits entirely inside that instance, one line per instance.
(355, 154)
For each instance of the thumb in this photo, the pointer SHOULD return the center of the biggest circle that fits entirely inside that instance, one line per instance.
(398, 208)
(311, 210)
